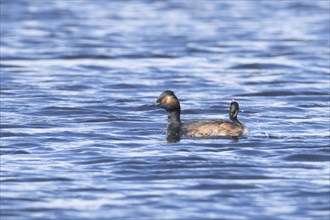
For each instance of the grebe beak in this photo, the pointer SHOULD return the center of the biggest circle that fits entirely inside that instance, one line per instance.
(155, 104)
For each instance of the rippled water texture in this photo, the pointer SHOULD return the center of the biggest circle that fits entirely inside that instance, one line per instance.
(79, 139)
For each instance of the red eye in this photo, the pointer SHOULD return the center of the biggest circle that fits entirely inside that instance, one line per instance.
(163, 100)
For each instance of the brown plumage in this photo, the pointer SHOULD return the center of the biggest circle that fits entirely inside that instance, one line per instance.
(197, 128)
(211, 128)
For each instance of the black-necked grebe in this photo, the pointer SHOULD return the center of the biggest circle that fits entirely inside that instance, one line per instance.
(197, 128)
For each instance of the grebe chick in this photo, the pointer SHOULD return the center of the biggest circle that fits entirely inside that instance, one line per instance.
(197, 128)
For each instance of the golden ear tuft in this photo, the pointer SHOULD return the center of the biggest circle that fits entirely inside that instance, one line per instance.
(171, 100)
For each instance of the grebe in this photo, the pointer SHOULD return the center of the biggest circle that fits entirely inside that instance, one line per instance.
(197, 128)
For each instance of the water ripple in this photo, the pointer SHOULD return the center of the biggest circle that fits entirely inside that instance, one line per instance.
(80, 139)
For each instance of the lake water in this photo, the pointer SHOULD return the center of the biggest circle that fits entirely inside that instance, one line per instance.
(79, 139)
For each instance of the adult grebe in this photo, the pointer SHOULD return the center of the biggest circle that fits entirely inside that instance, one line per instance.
(197, 128)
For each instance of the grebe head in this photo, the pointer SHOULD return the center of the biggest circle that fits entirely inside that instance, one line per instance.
(168, 101)
(233, 111)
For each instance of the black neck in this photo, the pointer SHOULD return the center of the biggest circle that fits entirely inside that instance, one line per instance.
(174, 117)
(173, 126)
(236, 121)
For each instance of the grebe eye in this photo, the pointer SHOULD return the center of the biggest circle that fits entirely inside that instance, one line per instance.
(163, 100)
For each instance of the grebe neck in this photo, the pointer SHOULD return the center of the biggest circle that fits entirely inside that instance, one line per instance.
(174, 117)
(236, 121)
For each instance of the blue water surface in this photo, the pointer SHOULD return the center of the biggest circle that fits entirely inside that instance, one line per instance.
(79, 139)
